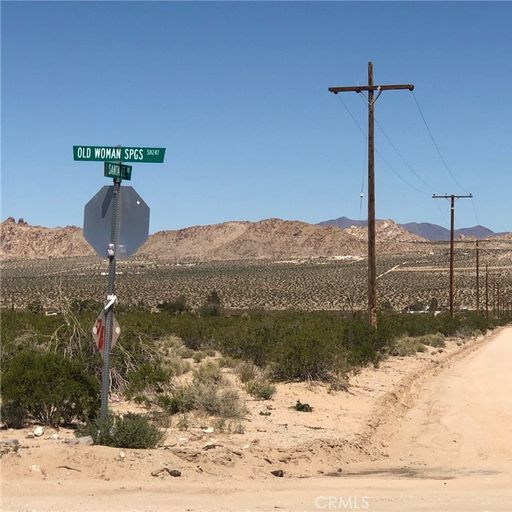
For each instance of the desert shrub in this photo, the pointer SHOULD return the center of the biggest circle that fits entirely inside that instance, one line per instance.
(174, 307)
(212, 306)
(13, 414)
(208, 392)
(128, 431)
(228, 362)
(179, 399)
(261, 389)
(433, 340)
(198, 356)
(247, 371)
(209, 372)
(406, 346)
(48, 388)
(302, 407)
(147, 378)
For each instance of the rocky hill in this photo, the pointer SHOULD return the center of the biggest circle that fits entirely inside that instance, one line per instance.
(21, 240)
(239, 240)
(388, 233)
(267, 239)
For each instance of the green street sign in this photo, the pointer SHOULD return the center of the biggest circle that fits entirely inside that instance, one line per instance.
(103, 153)
(113, 170)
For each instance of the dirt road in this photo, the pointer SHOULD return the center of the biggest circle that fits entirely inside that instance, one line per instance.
(449, 448)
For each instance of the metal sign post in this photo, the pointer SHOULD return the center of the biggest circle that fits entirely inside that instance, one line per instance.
(116, 224)
(111, 298)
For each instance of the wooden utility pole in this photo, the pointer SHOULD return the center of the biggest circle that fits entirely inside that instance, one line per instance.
(477, 280)
(452, 199)
(372, 272)
(498, 297)
(486, 291)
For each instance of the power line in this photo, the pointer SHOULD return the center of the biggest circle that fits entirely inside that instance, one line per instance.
(456, 181)
(407, 164)
(397, 174)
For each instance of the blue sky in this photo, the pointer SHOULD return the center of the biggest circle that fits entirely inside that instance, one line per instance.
(237, 93)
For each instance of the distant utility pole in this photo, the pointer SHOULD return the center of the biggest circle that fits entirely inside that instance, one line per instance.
(477, 279)
(372, 272)
(452, 199)
(486, 291)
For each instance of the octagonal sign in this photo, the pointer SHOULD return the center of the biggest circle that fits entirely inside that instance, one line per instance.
(133, 221)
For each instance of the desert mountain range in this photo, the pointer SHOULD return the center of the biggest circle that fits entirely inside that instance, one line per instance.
(273, 239)
(425, 230)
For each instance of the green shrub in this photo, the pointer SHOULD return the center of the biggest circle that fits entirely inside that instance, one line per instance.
(177, 306)
(128, 431)
(262, 389)
(147, 378)
(302, 407)
(433, 340)
(198, 356)
(49, 389)
(179, 399)
(13, 415)
(406, 346)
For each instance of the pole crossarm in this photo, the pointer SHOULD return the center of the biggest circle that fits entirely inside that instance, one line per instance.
(362, 88)
(451, 196)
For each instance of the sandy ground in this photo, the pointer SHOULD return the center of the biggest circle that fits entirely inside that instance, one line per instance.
(430, 432)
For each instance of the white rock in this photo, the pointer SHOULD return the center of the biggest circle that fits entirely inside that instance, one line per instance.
(208, 430)
(35, 467)
(54, 437)
(85, 440)
(245, 446)
(122, 455)
(38, 431)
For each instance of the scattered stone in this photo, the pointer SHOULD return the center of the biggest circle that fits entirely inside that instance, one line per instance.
(208, 430)
(122, 455)
(278, 472)
(54, 437)
(38, 431)
(35, 467)
(30, 436)
(161, 472)
(211, 446)
(85, 440)
(245, 446)
(11, 442)
(71, 441)
(70, 468)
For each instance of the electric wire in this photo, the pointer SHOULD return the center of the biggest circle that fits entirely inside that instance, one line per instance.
(404, 160)
(397, 174)
(452, 175)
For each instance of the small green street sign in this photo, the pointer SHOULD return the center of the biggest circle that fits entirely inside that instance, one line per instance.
(113, 170)
(103, 153)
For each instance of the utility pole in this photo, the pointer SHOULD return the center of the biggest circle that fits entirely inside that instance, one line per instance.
(371, 88)
(498, 297)
(452, 199)
(486, 291)
(477, 279)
